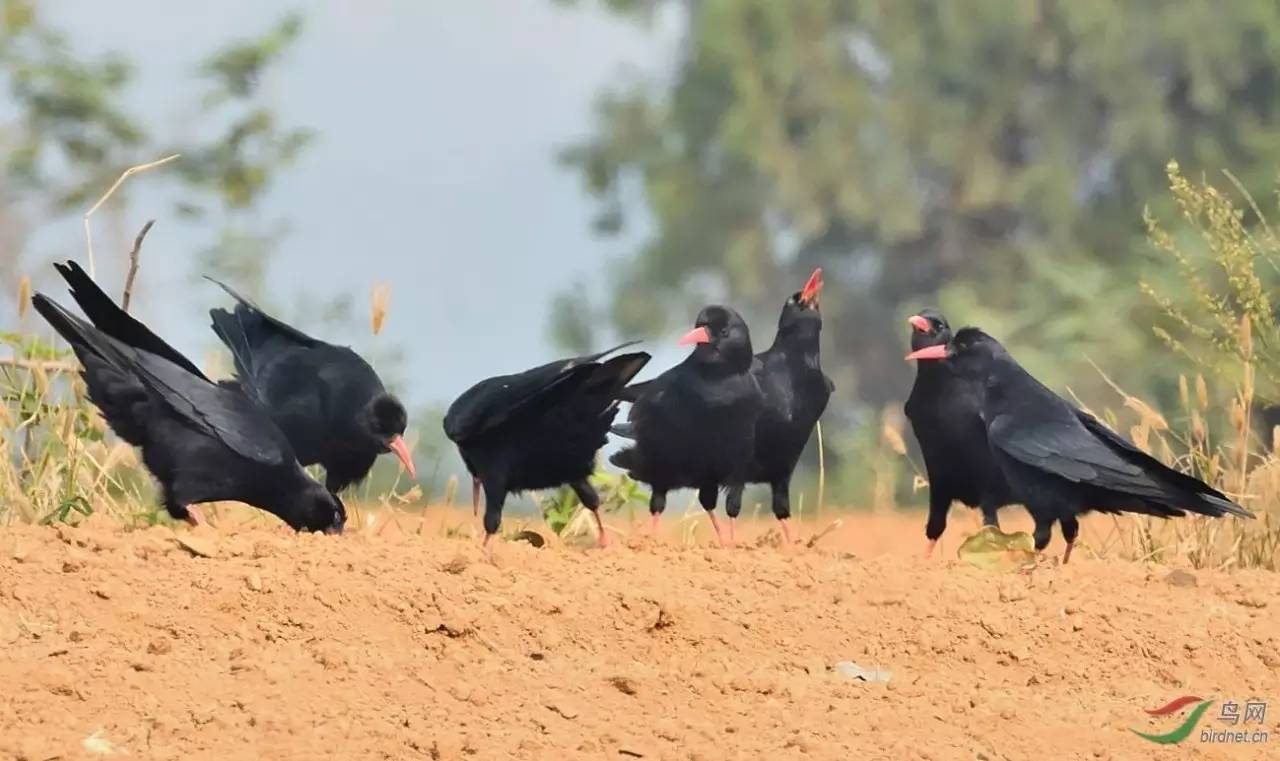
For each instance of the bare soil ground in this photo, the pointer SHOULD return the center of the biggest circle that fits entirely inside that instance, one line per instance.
(410, 644)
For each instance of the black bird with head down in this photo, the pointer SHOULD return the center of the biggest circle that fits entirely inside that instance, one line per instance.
(202, 442)
(1059, 461)
(694, 425)
(540, 429)
(796, 392)
(945, 414)
(326, 398)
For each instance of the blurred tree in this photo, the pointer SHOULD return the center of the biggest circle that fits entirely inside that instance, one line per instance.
(70, 138)
(990, 157)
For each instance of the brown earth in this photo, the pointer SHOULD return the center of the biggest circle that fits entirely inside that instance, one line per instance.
(409, 644)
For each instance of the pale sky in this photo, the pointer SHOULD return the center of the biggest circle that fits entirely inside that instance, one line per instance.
(434, 169)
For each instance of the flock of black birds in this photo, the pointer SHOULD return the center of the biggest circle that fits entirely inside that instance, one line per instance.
(991, 434)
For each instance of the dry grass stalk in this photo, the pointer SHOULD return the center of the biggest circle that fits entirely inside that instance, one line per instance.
(126, 174)
(134, 256)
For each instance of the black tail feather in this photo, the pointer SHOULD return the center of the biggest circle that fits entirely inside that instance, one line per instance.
(106, 316)
(232, 330)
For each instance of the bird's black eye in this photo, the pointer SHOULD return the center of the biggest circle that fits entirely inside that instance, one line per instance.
(724, 332)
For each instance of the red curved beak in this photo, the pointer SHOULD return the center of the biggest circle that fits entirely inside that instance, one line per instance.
(401, 450)
(812, 288)
(699, 335)
(920, 323)
(929, 352)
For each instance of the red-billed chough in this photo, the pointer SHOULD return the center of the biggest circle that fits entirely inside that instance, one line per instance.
(326, 398)
(795, 394)
(694, 425)
(539, 429)
(944, 411)
(202, 442)
(1059, 461)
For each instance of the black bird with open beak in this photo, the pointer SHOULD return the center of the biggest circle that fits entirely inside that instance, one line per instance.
(539, 429)
(326, 398)
(796, 392)
(1060, 461)
(694, 425)
(945, 415)
(203, 442)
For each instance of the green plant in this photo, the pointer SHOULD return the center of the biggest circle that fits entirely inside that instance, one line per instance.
(1225, 267)
(562, 510)
(61, 466)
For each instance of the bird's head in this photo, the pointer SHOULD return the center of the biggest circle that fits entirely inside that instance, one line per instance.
(970, 352)
(720, 338)
(315, 508)
(384, 421)
(800, 316)
(928, 328)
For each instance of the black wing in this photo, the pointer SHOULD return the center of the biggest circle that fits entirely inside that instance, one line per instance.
(1151, 465)
(249, 332)
(220, 412)
(126, 384)
(1088, 453)
(117, 392)
(114, 321)
(493, 401)
(1065, 448)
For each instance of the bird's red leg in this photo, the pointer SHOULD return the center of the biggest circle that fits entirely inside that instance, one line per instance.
(785, 525)
(715, 523)
(602, 539)
(733, 524)
(1067, 555)
(195, 517)
(475, 497)
(928, 553)
(653, 523)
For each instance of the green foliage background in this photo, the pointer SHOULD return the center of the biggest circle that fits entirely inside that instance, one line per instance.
(990, 158)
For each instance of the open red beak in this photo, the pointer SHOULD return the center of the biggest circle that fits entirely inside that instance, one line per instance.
(695, 336)
(812, 288)
(401, 449)
(929, 352)
(920, 323)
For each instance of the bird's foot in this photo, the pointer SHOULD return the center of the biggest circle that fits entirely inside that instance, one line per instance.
(1041, 561)
(928, 551)
(653, 524)
(195, 517)
(475, 497)
(1067, 555)
(602, 537)
(785, 525)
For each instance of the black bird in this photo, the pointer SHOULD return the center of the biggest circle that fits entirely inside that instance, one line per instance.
(540, 429)
(327, 400)
(694, 425)
(795, 394)
(945, 414)
(201, 441)
(1059, 461)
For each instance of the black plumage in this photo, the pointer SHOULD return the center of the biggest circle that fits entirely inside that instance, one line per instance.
(1061, 462)
(326, 398)
(796, 392)
(694, 425)
(540, 428)
(111, 319)
(944, 411)
(202, 442)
